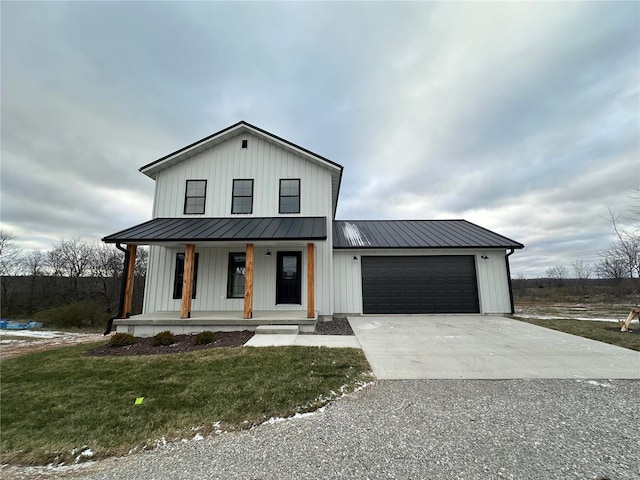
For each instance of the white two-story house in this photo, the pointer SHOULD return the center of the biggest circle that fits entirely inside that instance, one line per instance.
(244, 234)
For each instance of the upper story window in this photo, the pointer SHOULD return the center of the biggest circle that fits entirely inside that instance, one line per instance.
(242, 197)
(290, 195)
(194, 196)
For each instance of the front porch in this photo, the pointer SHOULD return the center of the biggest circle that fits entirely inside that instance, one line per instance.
(148, 324)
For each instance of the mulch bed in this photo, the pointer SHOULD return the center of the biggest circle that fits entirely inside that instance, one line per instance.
(337, 326)
(184, 343)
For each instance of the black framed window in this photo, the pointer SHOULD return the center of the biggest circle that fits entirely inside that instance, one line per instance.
(290, 195)
(242, 196)
(194, 196)
(179, 276)
(235, 279)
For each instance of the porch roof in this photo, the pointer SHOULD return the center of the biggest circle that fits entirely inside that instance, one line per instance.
(222, 229)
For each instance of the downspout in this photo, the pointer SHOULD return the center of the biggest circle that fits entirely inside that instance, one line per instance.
(122, 289)
(506, 259)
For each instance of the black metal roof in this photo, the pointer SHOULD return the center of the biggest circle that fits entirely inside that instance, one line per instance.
(416, 234)
(223, 229)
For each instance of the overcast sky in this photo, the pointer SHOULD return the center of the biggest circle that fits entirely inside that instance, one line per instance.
(521, 117)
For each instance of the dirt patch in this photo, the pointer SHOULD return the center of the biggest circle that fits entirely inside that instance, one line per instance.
(15, 348)
(184, 344)
(592, 310)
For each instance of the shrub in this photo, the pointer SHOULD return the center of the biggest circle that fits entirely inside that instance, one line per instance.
(74, 315)
(204, 338)
(122, 340)
(165, 338)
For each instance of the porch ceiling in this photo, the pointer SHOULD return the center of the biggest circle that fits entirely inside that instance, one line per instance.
(183, 230)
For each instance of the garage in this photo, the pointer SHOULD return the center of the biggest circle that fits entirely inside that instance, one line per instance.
(419, 284)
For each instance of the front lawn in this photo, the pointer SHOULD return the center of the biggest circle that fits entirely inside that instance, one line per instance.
(60, 406)
(608, 332)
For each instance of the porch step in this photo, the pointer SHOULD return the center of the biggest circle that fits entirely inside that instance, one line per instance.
(277, 329)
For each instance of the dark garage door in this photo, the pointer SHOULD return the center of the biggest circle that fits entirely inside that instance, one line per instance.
(433, 284)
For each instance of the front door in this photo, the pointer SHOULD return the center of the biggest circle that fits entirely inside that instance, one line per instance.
(288, 278)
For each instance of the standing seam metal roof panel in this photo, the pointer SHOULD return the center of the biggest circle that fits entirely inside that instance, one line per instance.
(417, 234)
(219, 229)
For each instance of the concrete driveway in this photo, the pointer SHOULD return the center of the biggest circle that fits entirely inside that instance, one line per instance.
(407, 347)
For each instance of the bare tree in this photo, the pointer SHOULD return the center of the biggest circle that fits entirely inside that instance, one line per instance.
(624, 253)
(73, 258)
(612, 265)
(10, 265)
(106, 266)
(558, 274)
(142, 260)
(34, 264)
(106, 261)
(582, 272)
(10, 254)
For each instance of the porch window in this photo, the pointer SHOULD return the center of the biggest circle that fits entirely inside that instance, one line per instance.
(242, 197)
(290, 195)
(179, 275)
(235, 280)
(195, 196)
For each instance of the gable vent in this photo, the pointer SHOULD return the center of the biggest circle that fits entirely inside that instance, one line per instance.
(245, 143)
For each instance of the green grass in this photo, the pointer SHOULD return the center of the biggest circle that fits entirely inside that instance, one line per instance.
(56, 403)
(608, 332)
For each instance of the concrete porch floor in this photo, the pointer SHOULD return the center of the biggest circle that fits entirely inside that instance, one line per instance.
(149, 324)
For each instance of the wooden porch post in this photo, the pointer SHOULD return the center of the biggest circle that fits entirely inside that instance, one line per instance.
(311, 293)
(128, 289)
(187, 280)
(248, 282)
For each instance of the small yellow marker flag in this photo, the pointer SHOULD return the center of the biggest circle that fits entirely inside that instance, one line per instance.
(139, 401)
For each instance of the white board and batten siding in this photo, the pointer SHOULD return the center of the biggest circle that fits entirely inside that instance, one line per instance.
(261, 161)
(266, 164)
(493, 286)
(211, 286)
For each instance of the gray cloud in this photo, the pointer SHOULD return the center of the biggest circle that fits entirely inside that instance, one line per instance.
(520, 117)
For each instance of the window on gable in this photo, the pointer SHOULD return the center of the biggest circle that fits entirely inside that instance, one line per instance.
(194, 196)
(179, 276)
(290, 195)
(235, 279)
(242, 197)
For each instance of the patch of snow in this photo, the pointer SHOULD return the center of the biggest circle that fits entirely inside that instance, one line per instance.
(596, 383)
(297, 416)
(43, 334)
(38, 471)
(322, 399)
(370, 326)
(197, 437)
(355, 237)
(32, 333)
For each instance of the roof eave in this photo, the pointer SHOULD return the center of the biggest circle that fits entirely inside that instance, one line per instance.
(154, 167)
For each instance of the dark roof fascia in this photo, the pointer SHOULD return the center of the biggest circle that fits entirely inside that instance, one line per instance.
(253, 127)
(338, 194)
(142, 241)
